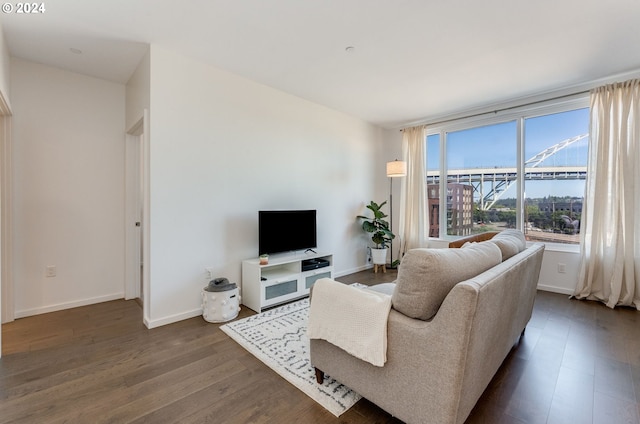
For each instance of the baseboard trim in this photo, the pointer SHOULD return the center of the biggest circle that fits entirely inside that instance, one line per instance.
(351, 271)
(68, 305)
(154, 323)
(554, 289)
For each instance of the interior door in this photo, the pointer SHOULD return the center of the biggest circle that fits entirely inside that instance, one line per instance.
(134, 213)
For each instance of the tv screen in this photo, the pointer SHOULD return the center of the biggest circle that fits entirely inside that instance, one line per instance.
(284, 231)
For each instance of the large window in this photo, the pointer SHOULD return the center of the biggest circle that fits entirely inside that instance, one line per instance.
(526, 170)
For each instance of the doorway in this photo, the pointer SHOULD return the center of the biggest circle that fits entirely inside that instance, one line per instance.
(136, 214)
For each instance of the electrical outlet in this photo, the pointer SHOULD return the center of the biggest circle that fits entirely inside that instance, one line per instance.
(50, 271)
(562, 268)
(368, 255)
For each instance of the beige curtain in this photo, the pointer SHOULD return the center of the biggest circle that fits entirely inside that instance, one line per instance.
(413, 217)
(610, 263)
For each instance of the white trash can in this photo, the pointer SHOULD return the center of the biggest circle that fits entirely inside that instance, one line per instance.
(220, 301)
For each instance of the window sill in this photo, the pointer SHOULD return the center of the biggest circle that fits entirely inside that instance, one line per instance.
(558, 247)
(549, 246)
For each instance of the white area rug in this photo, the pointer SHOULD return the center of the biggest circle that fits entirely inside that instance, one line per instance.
(278, 338)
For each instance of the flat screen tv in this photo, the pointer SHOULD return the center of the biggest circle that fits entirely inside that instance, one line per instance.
(285, 231)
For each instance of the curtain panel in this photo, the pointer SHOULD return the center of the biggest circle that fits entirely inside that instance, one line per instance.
(414, 221)
(610, 234)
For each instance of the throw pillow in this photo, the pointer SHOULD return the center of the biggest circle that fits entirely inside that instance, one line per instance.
(516, 235)
(508, 247)
(426, 276)
(511, 242)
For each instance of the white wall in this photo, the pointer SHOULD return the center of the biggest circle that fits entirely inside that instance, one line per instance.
(222, 148)
(68, 147)
(551, 279)
(138, 93)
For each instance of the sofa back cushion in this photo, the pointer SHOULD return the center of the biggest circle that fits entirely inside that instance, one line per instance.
(426, 276)
(510, 242)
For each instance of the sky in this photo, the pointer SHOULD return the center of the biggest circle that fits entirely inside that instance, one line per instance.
(496, 145)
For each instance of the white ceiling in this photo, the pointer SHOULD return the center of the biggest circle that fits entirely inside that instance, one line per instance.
(412, 59)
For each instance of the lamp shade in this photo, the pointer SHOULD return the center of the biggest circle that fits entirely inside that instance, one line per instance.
(397, 168)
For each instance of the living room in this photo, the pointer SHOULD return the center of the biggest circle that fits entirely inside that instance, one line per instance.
(220, 147)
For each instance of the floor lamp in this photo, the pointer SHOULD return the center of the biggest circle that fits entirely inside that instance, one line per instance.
(395, 169)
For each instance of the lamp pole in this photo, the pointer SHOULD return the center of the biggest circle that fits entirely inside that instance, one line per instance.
(391, 219)
(395, 169)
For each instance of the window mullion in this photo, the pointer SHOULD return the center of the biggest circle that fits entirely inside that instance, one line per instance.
(442, 218)
(520, 224)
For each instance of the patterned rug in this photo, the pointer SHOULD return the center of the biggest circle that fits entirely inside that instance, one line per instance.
(278, 337)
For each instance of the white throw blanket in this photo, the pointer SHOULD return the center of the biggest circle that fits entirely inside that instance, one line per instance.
(353, 319)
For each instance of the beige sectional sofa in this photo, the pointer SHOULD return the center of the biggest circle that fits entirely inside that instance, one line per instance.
(456, 314)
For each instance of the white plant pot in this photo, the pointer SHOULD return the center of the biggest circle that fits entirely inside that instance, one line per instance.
(379, 256)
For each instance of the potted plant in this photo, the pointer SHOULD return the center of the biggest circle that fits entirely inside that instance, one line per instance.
(380, 233)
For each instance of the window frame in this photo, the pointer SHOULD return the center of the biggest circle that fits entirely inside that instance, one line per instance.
(508, 114)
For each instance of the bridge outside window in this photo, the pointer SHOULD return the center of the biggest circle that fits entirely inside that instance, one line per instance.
(484, 166)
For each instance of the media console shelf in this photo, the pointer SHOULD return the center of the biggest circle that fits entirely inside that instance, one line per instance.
(283, 279)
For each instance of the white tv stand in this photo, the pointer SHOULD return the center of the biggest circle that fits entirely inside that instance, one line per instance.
(281, 280)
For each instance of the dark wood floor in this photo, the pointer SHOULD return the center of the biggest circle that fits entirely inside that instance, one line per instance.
(579, 362)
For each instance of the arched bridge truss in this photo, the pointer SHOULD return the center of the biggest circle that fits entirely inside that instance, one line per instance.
(503, 178)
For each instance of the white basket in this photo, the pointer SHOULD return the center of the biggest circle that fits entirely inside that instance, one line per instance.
(220, 306)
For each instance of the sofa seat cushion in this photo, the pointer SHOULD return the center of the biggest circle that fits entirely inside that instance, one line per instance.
(426, 276)
(510, 242)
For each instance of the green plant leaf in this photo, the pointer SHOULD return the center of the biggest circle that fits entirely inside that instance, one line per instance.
(369, 227)
(381, 235)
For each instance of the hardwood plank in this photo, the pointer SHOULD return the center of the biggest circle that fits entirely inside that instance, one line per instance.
(212, 401)
(77, 387)
(614, 379)
(531, 399)
(177, 384)
(85, 368)
(573, 398)
(267, 397)
(608, 410)
(635, 375)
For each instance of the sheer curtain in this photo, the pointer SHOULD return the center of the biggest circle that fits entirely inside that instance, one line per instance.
(610, 262)
(413, 217)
